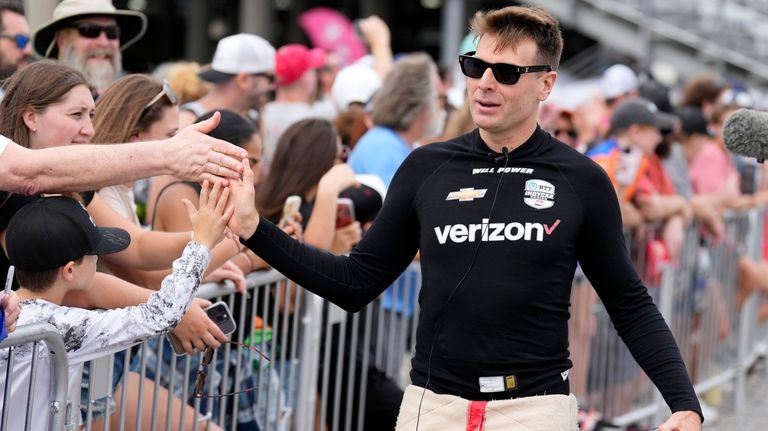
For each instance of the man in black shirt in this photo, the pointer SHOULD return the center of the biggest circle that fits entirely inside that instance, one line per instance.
(501, 216)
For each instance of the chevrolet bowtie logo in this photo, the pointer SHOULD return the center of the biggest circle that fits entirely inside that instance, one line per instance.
(465, 195)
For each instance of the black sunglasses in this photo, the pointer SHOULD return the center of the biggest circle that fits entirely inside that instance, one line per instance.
(92, 31)
(570, 132)
(268, 76)
(508, 74)
(207, 359)
(21, 39)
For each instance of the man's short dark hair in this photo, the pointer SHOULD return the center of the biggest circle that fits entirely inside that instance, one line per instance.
(15, 6)
(39, 281)
(514, 24)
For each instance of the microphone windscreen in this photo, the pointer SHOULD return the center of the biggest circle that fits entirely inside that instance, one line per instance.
(746, 133)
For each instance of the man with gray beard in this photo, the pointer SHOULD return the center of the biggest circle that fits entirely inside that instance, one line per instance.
(89, 35)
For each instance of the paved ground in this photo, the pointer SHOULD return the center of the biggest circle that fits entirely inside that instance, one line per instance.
(754, 415)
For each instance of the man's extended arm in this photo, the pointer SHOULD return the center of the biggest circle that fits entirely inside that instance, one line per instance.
(349, 282)
(190, 155)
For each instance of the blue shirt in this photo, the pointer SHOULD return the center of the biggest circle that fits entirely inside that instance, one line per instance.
(380, 152)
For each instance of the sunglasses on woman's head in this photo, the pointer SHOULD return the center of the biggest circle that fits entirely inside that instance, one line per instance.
(92, 31)
(166, 91)
(508, 74)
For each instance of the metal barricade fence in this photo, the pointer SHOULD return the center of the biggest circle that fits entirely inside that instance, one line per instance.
(367, 353)
(605, 377)
(698, 294)
(320, 357)
(323, 359)
(154, 387)
(59, 375)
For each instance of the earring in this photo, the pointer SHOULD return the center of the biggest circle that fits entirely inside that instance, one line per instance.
(34, 130)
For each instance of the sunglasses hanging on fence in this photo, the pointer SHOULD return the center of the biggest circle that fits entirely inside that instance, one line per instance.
(207, 359)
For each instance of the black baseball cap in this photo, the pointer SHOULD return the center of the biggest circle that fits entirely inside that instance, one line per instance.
(367, 202)
(657, 93)
(639, 110)
(692, 121)
(52, 231)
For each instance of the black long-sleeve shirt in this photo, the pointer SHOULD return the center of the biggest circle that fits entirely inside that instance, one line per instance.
(504, 331)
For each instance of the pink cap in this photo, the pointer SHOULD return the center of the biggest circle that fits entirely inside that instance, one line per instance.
(294, 60)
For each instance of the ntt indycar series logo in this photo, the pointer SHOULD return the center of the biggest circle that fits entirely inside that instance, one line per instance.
(491, 232)
(539, 194)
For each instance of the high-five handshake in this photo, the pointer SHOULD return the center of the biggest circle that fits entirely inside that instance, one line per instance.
(210, 219)
(245, 219)
(235, 204)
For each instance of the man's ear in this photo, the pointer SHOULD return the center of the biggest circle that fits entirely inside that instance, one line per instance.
(368, 120)
(548, 83)
(67, 271)
(241, 79)
(61, 39)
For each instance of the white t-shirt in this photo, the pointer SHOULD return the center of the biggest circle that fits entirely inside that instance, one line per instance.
(121, 199)
(90, 334)
(3, 143)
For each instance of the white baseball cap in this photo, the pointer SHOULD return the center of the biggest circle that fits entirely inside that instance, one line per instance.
(618, 80)
(240, 53)
(356, 83)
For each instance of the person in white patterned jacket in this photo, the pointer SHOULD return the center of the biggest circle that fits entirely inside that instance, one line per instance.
(54, 244)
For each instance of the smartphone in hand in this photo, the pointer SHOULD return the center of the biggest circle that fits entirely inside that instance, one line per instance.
(220, 315)
(345, 212)
(291, 206)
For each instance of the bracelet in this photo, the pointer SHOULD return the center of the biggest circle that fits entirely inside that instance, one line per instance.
(247, 259)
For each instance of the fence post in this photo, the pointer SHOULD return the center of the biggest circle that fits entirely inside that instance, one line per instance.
(311, 324)
(666, 300)
(748, 318)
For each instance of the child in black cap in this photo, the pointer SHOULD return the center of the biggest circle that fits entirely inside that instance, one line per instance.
(53, 245)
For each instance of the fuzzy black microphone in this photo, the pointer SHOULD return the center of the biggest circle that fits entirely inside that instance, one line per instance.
(746, 134)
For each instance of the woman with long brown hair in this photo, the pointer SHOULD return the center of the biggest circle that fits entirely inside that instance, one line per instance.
(309, 162)
(137, 108)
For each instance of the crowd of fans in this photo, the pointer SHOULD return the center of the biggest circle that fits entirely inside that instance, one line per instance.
(315, 128)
